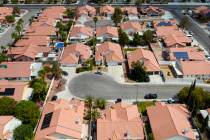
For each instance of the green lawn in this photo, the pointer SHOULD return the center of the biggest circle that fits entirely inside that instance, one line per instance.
(129, 49)
(143, 105)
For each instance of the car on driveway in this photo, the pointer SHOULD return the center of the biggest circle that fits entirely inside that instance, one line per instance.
(151, 96)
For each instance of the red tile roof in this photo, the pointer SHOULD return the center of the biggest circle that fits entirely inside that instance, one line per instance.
(78, 30)
(100, 31)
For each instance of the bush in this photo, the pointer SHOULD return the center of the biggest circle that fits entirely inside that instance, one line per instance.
(10, 19)
(7, 106)
(23, 132)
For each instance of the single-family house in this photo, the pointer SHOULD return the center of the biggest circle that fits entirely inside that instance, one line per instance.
(80, 33)
(186, 53)
(107, 33)
(107, 11)
(28, 53)
(15, 89)
(152, 11)
(109, 53)
(147, 58)
(7, 126)
(75, 54)
(172, 36)
(62, 119)
(131, 12)
(85, 12)
(192, 69)
(120, 121)
(23, 71)
(201, 11)
(170, 121)
(131, 27)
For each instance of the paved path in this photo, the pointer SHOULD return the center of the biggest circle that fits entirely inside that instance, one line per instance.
(6, 39)
(104, 86)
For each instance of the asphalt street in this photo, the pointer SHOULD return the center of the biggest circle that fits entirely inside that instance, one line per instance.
(6, 38)
(199, 34)
(105, 87)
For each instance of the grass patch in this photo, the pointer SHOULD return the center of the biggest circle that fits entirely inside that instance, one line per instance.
(87, 66)
(82, 69)
(129, 49)
(142, 106)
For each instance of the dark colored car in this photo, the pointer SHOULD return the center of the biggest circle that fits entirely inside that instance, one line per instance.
(98, 73)
(64, 73)
(151, 96)
(118, 100)
(54, 98)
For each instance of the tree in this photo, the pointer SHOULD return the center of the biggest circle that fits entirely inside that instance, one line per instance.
(92, 115)
(100, 103)
(39, 89)
(44, 71)
(95, 19)
(184, 23)
(89, 101)
(16, 11)
(123, 38)
(27, 112)
(3, 58)
(15, 36)
(148, 36)
(138, 2)
(137, 40)
(14, 1)
(7, 106)
(117, 16)
(138, 72)
(56, 70)
(70, 13)
(23, 132)
(10, 19)
(183, 93)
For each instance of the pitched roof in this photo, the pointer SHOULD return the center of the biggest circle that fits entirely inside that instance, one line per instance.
(100, 31)
(200, 9)
(130, 10)
(193, 53)
(30, 51)
(67, 119)
(131, 25)
(15, 69)
(34, 40)
(146, 56)
(110, 51)
(120, 121)
(195, 67)
(78, 30)
(153, 9)
(107, 9)
(170, 120)
(86, 9)
(3, 121)
(74, 52)
(19, 87)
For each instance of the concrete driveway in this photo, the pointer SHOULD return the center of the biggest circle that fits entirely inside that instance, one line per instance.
(117, 73)
(105, 87)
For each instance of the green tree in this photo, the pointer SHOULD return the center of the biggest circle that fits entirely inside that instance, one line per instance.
(23, 132)
(95, 19)
(16, 11)
(123, 38)
(100, 103)
(27, 112)
(14, 1)
(39, 89)
(137, 40)
(92, 115)
(3, 57)
(10, 19)
(44, 71)
(117, 16)
(89, 101)
(148, 36)
(183, 94)
(138, 72)
(15, 36)
(70, 13)
(184, 23)
(7, 106)
(56, 70)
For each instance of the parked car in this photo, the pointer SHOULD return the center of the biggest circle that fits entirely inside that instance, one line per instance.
(151, 96)
(98, 73)
(118, 100)
(54, 98)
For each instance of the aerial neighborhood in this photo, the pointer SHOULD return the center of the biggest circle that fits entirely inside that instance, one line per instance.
(104, 70)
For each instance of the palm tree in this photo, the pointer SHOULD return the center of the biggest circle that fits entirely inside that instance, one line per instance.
(95, 19)
(15, 36)
(100, 103)
(89, 101)
(95, 114)
(56, 70)
(42, 73)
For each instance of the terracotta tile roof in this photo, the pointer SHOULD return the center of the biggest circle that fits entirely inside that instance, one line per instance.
(130, 10)
(5, 11)
(195, 67)
(131, 25)
(67, 119)
(170, 120)
(78, 30)
(145, 56)
(15, 69)
(200, 9)
(192, 52)
(100, 31)
(172, 35)
(120, 121)
(34, 40)
(29, 51)
(87, 10)
(107, 9)
(54, 12)
(20, 88)
(110, 51)
(74, 52)
(3, 121)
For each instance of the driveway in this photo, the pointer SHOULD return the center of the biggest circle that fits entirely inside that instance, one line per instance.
(105, 87)
(117, 73)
